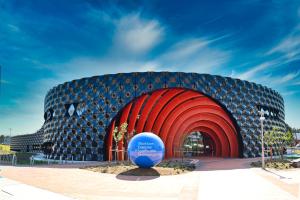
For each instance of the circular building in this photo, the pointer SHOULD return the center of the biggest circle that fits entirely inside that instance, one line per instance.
(194, 114)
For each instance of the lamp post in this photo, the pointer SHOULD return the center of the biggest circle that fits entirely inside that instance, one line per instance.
(262, 118)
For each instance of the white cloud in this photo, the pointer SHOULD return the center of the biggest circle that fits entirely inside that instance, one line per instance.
(289, 93)
(252, 72)
(4, 82)
(90, 66)
(194, 55)
(289, 46)
(137, 35)
(286, 78)
(13, 28)
(279, 82)
(185, 48)
(26, 113)
(281, 54)
(149, 66)
(134, 36)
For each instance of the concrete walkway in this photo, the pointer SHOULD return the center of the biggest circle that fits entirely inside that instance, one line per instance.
(219, 182)
(213, 179)
(13, 190)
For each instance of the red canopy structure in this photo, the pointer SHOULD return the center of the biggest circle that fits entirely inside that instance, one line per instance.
(172, 114)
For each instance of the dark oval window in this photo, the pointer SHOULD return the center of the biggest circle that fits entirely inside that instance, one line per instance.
(83, 144)
(94, 143)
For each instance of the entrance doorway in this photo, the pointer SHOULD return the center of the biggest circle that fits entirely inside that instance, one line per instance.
(198, 144)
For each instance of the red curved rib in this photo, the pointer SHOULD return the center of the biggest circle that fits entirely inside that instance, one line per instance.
(200, 126)
(155, 96)
(197, 115)
(225, 144)
(135, 111)
(158, 106)
(170, 106)
(175, 113)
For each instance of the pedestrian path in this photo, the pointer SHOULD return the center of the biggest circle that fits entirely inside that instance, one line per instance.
(239, 184)
(13, 190)
(213, 178)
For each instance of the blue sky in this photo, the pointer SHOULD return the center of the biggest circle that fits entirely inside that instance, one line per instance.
(44, 43)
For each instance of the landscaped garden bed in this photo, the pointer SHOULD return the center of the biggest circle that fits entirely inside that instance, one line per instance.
(275, 163)
(167, 167)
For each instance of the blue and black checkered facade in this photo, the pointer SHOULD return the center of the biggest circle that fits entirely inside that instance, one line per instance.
(78, 113)
(28, 142)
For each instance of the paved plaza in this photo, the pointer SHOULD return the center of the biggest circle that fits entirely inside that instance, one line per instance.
(213, 179)
(12, 190)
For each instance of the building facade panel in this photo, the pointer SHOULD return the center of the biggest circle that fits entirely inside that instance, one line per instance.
(28, 143)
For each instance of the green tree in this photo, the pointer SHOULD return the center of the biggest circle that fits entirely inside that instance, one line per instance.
(2, 139)
(118, 134)
(279, 138)
(269, 139)
(289, 139)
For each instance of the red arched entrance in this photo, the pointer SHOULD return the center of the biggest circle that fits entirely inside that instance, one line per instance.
(172, 114)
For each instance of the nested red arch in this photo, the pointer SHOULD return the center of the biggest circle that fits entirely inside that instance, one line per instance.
(175, 112)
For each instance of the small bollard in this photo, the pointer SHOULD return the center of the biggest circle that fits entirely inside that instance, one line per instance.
(13, 160)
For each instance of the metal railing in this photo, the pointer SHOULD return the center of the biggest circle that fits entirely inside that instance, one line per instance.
(118, 154)
(8, 159)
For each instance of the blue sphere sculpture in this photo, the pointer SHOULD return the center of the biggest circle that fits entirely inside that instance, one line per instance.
(146, 150)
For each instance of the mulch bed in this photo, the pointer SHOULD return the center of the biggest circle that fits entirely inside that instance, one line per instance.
(168, 167)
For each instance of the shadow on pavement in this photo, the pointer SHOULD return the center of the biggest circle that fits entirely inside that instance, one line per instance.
(138, 174)
(280, 176)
